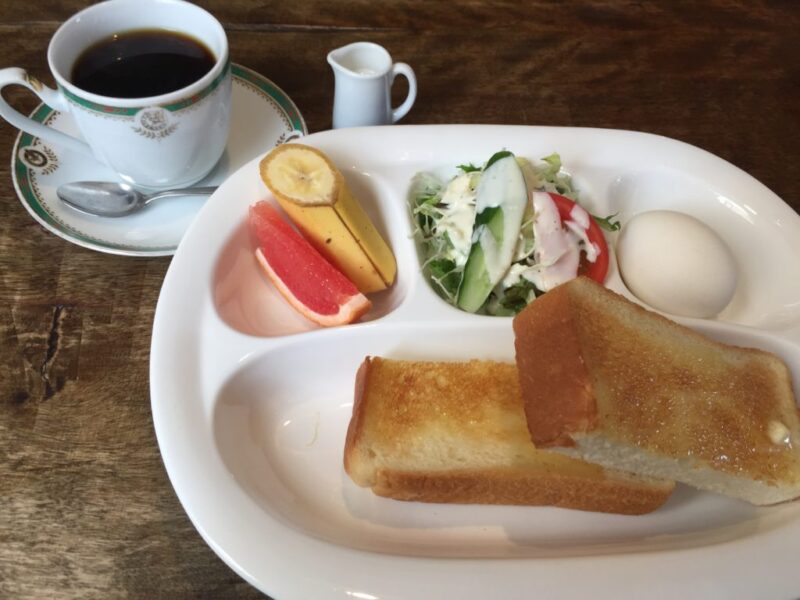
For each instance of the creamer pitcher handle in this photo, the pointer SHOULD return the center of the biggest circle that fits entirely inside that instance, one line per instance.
(407, 72)
(51, 97)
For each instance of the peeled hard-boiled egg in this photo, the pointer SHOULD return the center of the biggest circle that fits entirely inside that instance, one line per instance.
(676, 264)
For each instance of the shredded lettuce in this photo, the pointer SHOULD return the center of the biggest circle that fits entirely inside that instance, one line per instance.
(427, 210)
(554, 178)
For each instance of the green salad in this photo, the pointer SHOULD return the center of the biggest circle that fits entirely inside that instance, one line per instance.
(483, 249)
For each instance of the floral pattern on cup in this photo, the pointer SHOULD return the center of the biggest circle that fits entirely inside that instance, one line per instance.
(154, 123)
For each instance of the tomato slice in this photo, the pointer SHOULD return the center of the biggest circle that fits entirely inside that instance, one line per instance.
(598, 269)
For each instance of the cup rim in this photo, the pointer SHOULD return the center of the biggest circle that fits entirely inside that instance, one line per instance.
(168, 98)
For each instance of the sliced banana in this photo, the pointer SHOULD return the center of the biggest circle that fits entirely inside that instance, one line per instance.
(301, 174)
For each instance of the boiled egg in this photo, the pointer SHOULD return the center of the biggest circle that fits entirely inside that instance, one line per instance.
(676, 264)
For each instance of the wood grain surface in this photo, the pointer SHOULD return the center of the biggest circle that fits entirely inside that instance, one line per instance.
(86, 510)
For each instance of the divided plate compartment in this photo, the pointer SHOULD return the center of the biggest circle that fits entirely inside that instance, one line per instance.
(251, 402)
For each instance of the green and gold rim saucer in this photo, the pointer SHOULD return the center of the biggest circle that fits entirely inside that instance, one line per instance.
(262, 116)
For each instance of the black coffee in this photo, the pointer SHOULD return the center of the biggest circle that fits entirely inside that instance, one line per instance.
(141, 63)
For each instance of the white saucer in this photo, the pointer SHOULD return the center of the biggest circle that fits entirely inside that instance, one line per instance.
(263, 116)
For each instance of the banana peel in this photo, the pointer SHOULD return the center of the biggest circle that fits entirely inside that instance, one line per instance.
(315, 196)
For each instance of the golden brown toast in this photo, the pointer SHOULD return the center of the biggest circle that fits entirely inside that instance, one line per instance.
(456, 433)
(629, 389)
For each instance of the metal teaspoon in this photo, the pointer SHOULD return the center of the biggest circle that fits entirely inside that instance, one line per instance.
(108, 199)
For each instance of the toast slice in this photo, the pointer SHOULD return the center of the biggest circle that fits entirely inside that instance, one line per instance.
(456, 433)
(626, 388)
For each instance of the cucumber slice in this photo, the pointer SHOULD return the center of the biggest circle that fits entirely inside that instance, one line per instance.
(499, 207)
(475, 284)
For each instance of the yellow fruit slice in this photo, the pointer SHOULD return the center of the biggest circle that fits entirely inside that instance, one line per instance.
(303, 181)
(363, 230)
(301, 174)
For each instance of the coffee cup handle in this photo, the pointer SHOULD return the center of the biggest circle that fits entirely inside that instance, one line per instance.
(51, 97)
(407, 72)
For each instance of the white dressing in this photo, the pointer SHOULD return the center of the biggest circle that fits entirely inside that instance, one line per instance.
(514, 274)
(557, 246)
(579, 224)
(546, 277)
(458, 216)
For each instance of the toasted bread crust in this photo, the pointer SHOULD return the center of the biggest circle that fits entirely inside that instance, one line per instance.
(523, 488)
(658, 388)
(551, 362)
(467, 420)
(356, 426)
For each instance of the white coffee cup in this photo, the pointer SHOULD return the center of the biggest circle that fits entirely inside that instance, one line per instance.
(363, 77)
(171, 140)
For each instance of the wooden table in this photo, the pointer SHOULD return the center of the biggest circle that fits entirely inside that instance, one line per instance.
(86, 510)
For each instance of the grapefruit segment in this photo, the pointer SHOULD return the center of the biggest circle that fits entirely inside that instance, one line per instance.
(315, 288)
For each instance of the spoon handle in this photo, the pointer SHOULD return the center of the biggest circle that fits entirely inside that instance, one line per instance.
(189, 191)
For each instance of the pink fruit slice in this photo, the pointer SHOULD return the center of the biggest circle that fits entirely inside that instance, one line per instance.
(313, 286)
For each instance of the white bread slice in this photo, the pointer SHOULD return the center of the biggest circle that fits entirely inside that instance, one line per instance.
(626, 388)
(456, 433)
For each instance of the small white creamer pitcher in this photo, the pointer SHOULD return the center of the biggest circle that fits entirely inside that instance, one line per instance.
(364, 74)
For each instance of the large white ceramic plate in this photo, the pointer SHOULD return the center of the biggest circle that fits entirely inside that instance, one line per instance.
(251, 404)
